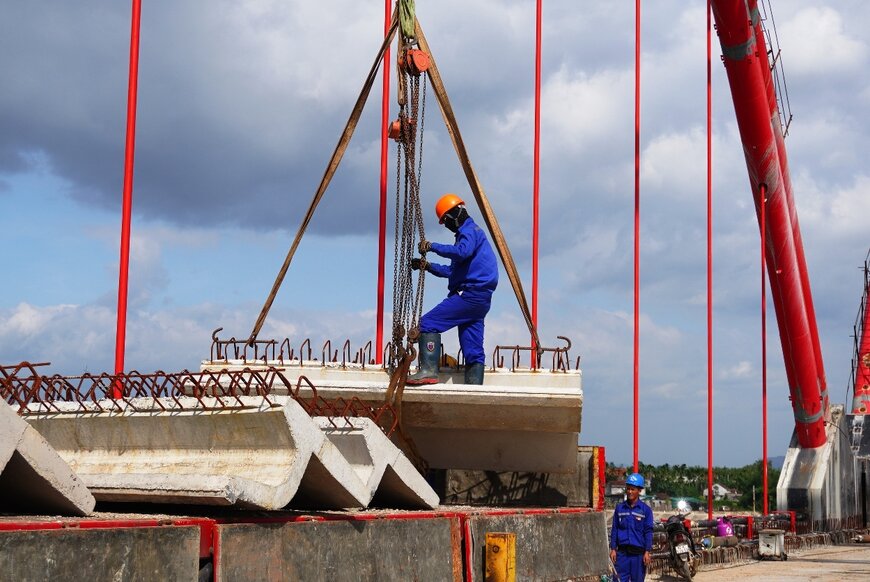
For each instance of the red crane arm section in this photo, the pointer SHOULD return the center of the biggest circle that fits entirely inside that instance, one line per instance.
(745, 57)
(861, 400)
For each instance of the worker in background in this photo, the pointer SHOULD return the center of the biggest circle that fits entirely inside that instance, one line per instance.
(631, 533)
(472, 276)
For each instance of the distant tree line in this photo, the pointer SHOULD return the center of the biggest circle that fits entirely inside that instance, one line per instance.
(691, 481)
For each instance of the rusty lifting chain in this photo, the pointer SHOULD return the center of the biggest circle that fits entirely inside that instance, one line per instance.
(407, 130)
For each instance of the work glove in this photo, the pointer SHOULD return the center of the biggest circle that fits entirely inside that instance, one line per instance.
(424, 247)
(419, 264)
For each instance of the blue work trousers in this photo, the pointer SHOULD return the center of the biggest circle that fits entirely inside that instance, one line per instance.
(465, 312)
(630, 568)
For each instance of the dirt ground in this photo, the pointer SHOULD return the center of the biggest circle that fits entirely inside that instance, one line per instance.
(827, 564)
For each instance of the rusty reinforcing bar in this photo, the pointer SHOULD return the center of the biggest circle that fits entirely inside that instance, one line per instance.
(35, 393)
(272, 350)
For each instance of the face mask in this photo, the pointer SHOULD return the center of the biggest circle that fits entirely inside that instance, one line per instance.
(454, 219)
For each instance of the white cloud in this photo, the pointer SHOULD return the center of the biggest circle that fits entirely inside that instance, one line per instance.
(28, 320)
(816, 44)
(738, 371)
(583, 109)
(833, 210)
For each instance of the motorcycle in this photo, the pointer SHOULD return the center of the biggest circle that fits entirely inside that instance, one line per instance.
(681, 545)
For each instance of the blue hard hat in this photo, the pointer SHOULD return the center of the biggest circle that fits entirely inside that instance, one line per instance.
(635, 479)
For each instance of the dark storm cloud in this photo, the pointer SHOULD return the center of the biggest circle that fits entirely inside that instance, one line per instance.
(224, 136)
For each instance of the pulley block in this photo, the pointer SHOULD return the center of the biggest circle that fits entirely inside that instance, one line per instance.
(395, 129)
(414, 61)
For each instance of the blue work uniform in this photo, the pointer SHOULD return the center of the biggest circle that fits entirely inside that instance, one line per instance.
(472, 276)
(631, 535)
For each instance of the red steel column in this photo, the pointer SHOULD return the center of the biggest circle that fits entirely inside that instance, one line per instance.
(382, 216)
(127, 207)
(537, 175)
(762, 202)
(709, 270)
(749, 94)
(636, 230)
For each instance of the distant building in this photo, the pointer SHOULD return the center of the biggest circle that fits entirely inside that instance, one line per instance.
(721, 492)
(615, 488)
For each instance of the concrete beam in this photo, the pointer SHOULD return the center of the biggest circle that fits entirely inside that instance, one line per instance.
(33, 477)
(520, 420)
(390, 478)
(258, 454)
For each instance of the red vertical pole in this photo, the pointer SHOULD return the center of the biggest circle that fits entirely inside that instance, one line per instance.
(709, 269)
(382, 216)
(762, 204)
(127, 208)
(537, 175)
(636, 228)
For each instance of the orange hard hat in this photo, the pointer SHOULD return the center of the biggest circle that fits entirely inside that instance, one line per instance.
(445, 204)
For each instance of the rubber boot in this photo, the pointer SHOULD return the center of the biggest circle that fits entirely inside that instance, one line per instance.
(428, 360)
(474, 374)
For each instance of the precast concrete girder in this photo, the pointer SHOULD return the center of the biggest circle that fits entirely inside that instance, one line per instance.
(520, 420)
(256, 453)
(33, 477)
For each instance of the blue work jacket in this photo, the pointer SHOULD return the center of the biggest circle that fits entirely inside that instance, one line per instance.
(632, 525)
(472, 265)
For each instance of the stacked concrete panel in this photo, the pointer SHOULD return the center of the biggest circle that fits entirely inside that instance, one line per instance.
(389, 477)
(519, 420)
(33, 477)
(256, 453)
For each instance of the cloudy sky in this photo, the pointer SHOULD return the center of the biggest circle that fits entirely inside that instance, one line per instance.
(241, 103)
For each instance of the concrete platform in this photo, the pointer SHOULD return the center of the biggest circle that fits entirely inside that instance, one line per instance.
(33, 477)
(101, 555)
(548, 546)
(521, 420)
(258, 454)
(444, 544)
(341, 551)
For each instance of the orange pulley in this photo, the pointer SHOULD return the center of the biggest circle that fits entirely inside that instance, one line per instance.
(394, 129)
(414, 61)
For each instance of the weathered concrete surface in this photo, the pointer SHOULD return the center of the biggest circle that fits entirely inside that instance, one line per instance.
(389, 477)
(522, 489)
(821, 482)
(98, 555)
(517, 421)
(33, 477)
(256, 455)
(548, 547)
(341, 551)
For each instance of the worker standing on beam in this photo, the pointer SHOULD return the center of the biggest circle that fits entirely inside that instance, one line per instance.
(472, 276)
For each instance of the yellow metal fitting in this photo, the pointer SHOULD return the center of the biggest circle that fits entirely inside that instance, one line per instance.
(501, 564)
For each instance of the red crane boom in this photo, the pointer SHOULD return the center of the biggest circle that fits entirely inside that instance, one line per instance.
(744, 52)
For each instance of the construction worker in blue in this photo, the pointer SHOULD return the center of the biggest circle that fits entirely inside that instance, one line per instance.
(631, 533)
(472, 276)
